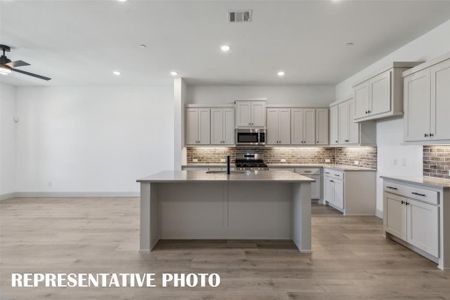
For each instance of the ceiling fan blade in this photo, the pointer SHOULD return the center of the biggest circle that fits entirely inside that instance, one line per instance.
(18, 63)
(31, 74)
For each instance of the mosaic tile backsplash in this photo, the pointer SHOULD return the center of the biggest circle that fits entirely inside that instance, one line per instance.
(367, 156)
(436, 161)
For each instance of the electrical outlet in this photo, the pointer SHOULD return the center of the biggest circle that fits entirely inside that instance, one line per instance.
(356, 162)
(194, 160)
(282, 160)
(222, 160)
(327, 160)
(448, 172)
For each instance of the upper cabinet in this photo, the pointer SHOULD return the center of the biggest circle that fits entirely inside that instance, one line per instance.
(322, 126)
(198, 126)
(250, 113)
(222, 126)
(381, 95)
(427, 102)
(278, 126)
(344, 131)
(303, 126)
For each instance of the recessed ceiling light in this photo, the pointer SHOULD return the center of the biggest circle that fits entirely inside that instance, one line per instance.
(173, 73)
(225, 48)
(122, 0)
(281, 73)
(117, 73)
(143, 45)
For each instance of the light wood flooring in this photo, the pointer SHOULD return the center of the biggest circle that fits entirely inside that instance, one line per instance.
(350, 259)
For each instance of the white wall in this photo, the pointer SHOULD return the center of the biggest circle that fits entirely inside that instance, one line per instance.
(394, 157)
(92, 139)
(291, 94)
(7, 139)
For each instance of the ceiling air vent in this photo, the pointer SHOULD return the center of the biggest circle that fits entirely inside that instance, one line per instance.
(240, 16)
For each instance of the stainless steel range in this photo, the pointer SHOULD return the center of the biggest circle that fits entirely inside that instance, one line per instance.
(250, 161)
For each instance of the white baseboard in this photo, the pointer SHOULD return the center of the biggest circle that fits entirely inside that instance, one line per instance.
(379, 214)
(72, 194)
(7, 196)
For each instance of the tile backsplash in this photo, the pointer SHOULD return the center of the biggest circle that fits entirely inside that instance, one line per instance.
(436, 161)
(367, 156)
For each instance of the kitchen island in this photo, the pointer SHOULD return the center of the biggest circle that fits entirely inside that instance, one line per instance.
(213, 205)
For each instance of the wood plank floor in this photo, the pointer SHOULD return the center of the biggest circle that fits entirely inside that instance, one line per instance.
(350, 260)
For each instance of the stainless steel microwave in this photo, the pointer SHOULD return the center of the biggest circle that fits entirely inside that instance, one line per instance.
(250, 137)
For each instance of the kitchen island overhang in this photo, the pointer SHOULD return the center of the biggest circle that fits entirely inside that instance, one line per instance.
(260, 205)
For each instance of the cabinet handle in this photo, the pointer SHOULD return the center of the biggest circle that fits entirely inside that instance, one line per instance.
(369, 111)
(407, 203)
(403, 202)
(425, 135)
(331, 180)
(336, 141)
(392, 188)
(347, 141)
(431, 134)
(317, 142)
(418, 194)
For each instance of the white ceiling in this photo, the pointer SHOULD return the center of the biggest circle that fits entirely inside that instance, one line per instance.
(82, 42)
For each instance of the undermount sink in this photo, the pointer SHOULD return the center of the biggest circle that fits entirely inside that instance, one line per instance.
(224, 172)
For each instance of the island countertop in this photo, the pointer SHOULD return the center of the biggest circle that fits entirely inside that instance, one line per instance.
(202, 176)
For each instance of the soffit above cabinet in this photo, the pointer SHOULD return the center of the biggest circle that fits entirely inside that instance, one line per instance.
(426, 65)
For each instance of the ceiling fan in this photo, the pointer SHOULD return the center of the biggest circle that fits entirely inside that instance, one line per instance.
(7, 66)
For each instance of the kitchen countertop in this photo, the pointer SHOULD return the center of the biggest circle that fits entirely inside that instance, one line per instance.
(285, 165)
(202, 176)
(433, 182)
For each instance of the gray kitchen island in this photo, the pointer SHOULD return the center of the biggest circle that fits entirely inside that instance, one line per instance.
(266, 205)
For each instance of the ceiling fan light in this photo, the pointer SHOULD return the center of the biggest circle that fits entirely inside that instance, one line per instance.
(4, 70)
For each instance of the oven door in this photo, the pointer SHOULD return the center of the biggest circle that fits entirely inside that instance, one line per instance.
(250, 137)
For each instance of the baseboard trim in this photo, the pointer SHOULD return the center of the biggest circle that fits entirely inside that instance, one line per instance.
(74, 194)
(379, 214)
(7, 196)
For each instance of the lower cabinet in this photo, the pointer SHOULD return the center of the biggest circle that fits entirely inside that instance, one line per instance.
(316, 186)
(334, 192)
(413, 221)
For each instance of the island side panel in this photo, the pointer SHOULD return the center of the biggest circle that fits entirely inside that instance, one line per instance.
(149, 231)
(301, 220)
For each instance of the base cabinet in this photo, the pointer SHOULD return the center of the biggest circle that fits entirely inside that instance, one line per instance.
(413, 221)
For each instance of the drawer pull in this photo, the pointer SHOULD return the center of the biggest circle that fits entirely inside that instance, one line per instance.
(392, 188)
(418, 194)
(403, 202)
(331, 180)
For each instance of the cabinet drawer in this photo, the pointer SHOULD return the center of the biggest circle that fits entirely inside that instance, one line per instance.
(417, 193)
(308, 171)
(334, 174)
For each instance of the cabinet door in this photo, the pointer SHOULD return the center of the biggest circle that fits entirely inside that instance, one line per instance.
(417, 95)
(440, 101)
(328, 188)
(297, 126)
(362, 97)
(339, 194)
(344, 117)
(243, 114)
(228, 132)
(334, 125)
(258, 114)
(204, 132)
(310, 127)
(423, 226)
(217, 129)
(272, 127)
(353, 127)
(322, 126)
(395, 216)
(380, 94)
(284, 126)
(192, 123)
(315, 187)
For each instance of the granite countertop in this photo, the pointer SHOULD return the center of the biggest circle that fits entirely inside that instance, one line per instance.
(286, 165)
(202, 176)
(433, 182)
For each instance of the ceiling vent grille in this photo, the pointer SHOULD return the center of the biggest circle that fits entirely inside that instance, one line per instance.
(240, 16)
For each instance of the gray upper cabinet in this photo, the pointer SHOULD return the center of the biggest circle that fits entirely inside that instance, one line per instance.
(381, 95)
(198, 126)
(278, 126)
(344, 131)
(303, 126)
(322, 126)
(427, 104)
(250, 113)
(222, 126)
